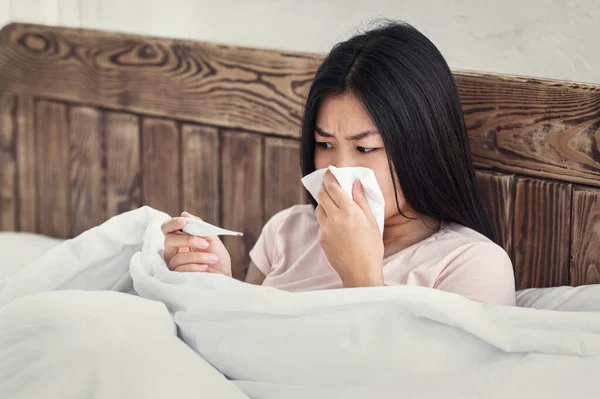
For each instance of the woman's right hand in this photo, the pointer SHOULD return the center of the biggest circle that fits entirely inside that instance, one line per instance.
(187, 253)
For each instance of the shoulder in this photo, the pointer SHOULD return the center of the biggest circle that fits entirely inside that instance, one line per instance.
(297, 216)
(460, 234)
(471, 246)
(477, 267)
(275, 238)
(487, 256)
(292, 214)
(476, 244)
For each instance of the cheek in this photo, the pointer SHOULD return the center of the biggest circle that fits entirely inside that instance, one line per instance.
(324, 158)
(320, 160)
(384, 179)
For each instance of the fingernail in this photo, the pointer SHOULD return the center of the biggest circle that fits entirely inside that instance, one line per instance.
(181, 221)
(213, 259)
(200, 268)
(202, 244)
(185, 214)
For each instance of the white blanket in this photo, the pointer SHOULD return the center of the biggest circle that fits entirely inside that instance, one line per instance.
(377, 342)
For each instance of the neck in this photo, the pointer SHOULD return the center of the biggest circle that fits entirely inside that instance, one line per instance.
(402, 232)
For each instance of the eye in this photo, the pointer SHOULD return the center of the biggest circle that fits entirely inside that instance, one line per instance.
(324, 145)
(366, 150)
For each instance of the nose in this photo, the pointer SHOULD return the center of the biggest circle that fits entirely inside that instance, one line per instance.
(343, 160)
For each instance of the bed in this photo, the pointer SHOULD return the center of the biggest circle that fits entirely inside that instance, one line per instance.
(95, 124)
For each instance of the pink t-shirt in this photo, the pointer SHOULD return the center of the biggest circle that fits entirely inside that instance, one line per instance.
(455, 259)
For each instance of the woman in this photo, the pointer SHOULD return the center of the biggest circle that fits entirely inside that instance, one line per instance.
(385, 100)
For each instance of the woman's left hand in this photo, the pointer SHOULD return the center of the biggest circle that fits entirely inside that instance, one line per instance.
(349, 234)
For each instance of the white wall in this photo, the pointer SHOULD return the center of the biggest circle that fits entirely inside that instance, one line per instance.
(546, 38)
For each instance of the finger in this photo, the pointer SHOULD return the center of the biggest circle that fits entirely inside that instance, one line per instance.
(214, 270)
(186, 240)
(337, 194)
(209, 239)
(358, 193)
(189, 215)
(177, 242)
(359, 196)
(191, 268)
(184, 258)
(320, 214)
(326, 202)
(172, 225)
(198, 268)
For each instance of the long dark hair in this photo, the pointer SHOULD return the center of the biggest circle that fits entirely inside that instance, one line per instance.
(406, 86)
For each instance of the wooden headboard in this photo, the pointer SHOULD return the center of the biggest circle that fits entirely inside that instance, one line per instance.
(93, 124)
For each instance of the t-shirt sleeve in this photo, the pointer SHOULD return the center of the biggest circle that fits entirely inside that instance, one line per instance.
(483, 272)
(265, 250)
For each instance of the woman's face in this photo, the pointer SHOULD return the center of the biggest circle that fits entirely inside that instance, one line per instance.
(345, 135)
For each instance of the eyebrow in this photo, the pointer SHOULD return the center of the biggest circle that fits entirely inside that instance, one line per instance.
(355, 137)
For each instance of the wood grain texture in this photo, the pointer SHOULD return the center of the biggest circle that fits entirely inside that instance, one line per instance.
(529, 127)
(200, 170)
(52, 148)
(585, 237)
(123, 173)
(533, 127)
(242, 167)
(27, 192)
(8, 163)
(87, 183)
(260, 90)
(542, 226)
(161, 180)
(283, 187)
(498, 194)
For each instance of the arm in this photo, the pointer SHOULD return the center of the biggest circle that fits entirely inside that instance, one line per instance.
(254, 276)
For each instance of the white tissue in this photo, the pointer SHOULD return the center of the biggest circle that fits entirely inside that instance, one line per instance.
(200, 228)
(346, 177)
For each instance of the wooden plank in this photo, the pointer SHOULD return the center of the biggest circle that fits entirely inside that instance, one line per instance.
(585, 237)
(200, 171)
(283, 187)
(520, 125)
(533, 127)
(123, 174)
(541, 231)
(242, 172)
(236, 87)
(8, 163)
(498, 194)
(27, 164)
(161, 180)
(87, 191)
(52, 148)
(536, 127)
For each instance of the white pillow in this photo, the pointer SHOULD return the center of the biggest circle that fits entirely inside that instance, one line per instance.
(19, 249)
(82, 344)
(585, 298)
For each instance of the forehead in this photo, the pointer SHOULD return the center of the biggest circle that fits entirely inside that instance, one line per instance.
(343, 114)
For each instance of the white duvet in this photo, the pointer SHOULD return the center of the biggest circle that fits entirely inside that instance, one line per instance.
(374, 342)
